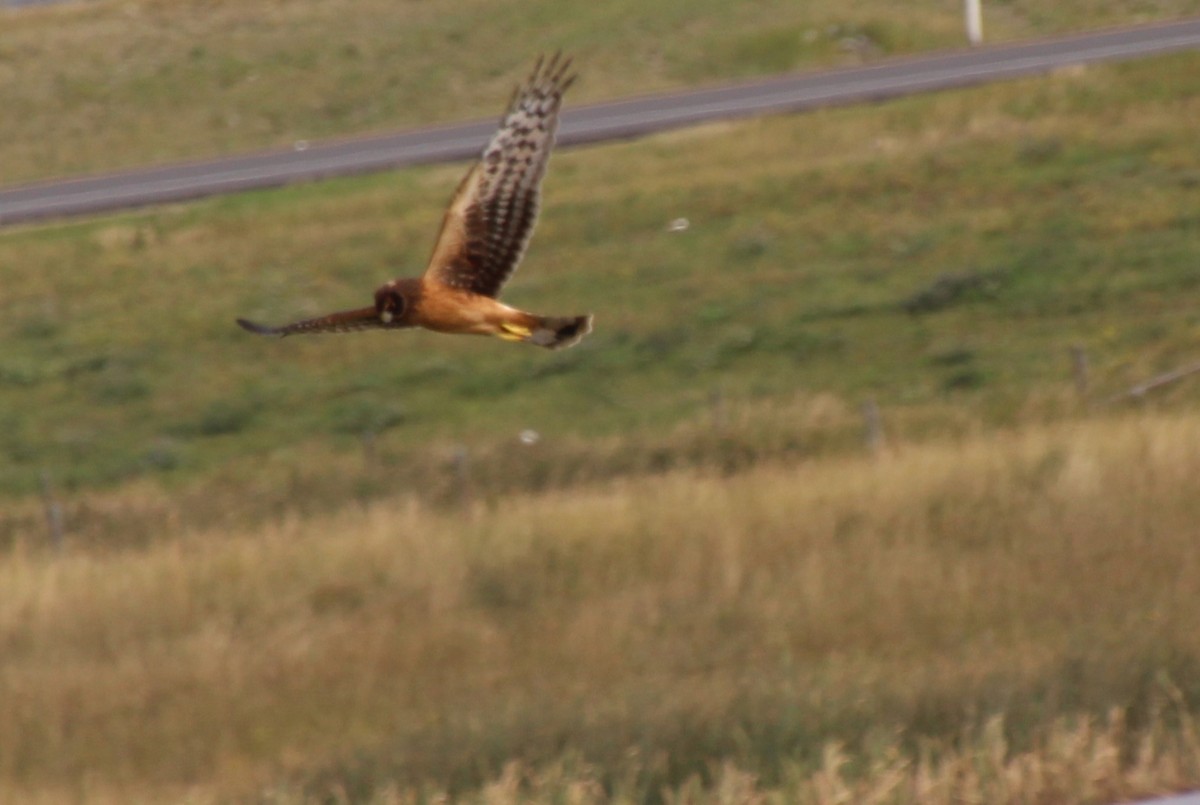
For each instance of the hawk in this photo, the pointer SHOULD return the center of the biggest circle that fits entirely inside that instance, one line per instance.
(483, 236)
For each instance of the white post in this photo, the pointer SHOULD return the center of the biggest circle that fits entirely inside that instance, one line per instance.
(974, 14)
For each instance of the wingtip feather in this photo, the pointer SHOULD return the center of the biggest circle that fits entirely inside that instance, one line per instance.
(257, 329)
(555, 70)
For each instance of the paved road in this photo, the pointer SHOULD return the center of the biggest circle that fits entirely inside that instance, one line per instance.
(622, 119)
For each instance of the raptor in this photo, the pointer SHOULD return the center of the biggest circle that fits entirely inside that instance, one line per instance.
(484, 235)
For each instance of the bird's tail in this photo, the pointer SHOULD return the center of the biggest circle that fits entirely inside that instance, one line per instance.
(552, 332)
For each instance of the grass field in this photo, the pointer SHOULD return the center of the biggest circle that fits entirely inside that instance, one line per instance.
(940, 254)
(637, 633)
(328, 570)
(96, 85)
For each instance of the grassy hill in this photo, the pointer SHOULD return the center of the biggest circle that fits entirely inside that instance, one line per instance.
(96, 85)
(940, 254)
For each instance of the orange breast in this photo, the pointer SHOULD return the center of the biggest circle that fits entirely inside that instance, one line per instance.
(448, 310)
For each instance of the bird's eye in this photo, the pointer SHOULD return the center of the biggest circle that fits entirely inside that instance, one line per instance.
(390, 305)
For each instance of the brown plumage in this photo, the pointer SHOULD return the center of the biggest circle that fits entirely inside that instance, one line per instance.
(482, 239)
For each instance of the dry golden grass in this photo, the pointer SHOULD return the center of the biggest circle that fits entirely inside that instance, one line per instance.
(647, 628)
(1079, 760)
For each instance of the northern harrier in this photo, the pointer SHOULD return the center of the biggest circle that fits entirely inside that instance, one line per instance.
(483, 236)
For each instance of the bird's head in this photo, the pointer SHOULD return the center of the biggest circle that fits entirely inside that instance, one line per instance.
(392, 303)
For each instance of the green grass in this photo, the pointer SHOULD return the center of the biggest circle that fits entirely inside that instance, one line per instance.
(1057, 211)
(89, 86)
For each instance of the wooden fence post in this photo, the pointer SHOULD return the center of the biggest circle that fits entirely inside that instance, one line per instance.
(368, 449)
(54, 513)
(716, 404)
(1079, 369)
(872, 425)
(462, 476)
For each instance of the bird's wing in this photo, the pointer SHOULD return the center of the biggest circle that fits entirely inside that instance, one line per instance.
(491, 217)
(346, 321)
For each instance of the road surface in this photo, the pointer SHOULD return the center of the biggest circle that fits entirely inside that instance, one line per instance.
(622, 119)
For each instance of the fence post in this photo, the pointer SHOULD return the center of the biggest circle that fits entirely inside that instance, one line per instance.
(974, 15)
(1079, 369)
(462, 476)
(54, 513)
(368, 448)
(872, 425)
(716, 404)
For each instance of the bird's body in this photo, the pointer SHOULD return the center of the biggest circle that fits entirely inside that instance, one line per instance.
(483, 237)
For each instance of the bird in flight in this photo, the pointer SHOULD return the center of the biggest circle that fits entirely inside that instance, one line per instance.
(483, 236)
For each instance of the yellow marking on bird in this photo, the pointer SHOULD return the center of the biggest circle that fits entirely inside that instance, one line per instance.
(515, 332)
